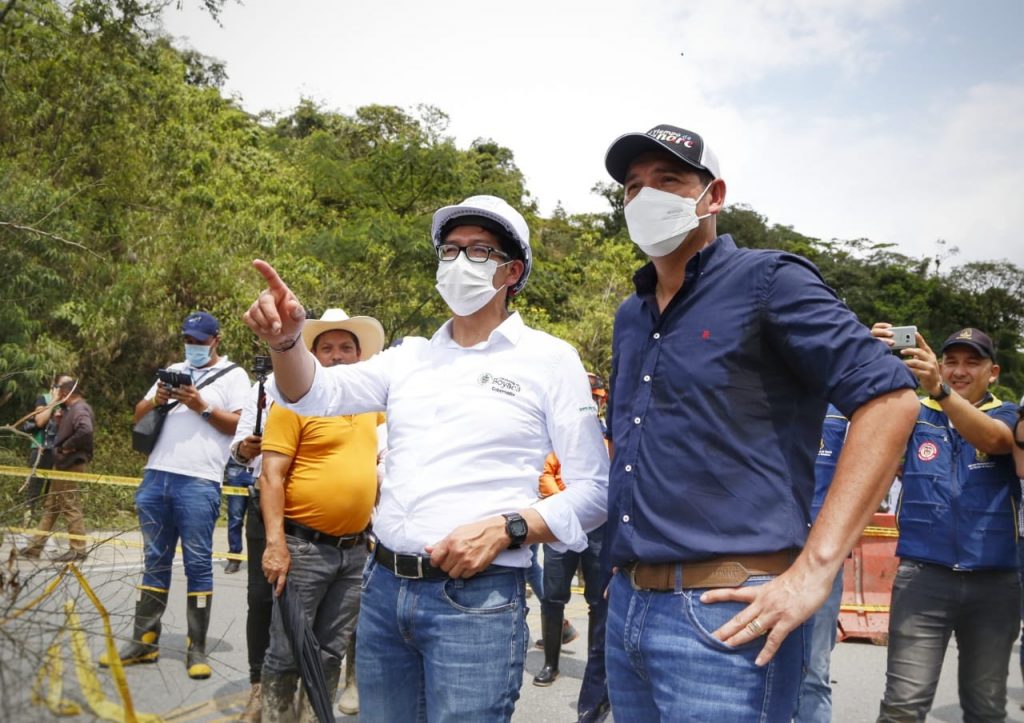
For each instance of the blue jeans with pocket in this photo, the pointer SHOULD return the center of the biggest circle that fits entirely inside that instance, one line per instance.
(445, 650)
(174, 507)
(664, 664)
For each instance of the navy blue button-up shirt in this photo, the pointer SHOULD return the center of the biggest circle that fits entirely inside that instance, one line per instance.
(717, 404)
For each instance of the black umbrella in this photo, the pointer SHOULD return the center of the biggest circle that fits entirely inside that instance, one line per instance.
(306, 649)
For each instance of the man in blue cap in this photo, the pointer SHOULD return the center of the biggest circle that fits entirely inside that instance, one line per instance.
(179, 497)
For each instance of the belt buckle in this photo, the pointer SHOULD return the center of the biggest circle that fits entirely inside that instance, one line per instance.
(418, 575)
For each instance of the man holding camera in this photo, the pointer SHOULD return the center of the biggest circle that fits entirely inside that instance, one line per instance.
(179, 497)
(958, 540)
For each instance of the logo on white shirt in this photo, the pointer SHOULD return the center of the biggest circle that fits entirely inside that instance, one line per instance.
(502, 385)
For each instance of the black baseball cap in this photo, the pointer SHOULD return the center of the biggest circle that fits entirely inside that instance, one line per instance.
(685, 145)
(974, 338)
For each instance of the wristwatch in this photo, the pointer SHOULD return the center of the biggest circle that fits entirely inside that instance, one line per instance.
(207, 413)
(944, 391)
(516, 529)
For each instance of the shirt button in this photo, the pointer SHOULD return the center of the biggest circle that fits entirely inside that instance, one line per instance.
(625, 518)
(636, 420)
(647, 377)
(629, 468)
(657, 335)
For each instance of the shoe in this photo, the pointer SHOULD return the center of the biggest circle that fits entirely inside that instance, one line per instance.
(253, 707)
(70, 556)
(30, 553)
(550, 626)
(348, 704)
(232, 567)
(545, 677)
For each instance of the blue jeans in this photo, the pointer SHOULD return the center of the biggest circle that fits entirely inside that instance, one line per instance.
(325, 580)
(665, 665)
(236, 476)
(816, 691)
(447, 651)
(929, 604)
(172, 507)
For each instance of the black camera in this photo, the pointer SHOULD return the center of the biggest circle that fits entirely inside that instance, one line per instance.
(261, 366)
(173, 378)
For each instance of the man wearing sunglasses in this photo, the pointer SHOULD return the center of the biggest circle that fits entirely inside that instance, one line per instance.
(472, 412)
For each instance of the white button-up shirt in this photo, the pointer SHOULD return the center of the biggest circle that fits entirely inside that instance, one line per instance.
(468, 431)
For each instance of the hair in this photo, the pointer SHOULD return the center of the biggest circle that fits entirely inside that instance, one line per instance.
(316, 339)
(706, 179)
(71, 383)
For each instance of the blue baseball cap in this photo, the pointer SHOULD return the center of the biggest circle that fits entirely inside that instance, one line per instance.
(200, 325)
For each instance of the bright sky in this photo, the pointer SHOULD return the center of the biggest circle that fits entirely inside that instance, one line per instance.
(901, 121)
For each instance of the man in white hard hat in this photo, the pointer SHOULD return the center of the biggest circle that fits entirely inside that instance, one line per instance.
(471, 413)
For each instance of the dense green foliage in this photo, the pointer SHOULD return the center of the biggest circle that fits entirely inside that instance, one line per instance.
(133, 192)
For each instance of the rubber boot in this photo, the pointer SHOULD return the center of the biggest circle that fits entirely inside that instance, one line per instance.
(332, 672)
(143, 648)
(551, 629)
(349, 703)
(569, 633)
(277, 691)
(254, 706)
(198, 617)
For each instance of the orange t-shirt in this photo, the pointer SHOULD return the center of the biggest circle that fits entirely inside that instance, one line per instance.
(332, 483)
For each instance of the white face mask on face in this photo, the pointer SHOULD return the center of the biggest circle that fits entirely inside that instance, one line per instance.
(659, 221)
(466, 286)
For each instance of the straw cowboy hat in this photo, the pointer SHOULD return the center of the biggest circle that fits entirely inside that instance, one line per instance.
(366, 329)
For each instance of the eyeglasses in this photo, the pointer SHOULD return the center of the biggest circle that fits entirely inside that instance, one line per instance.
(477, 254)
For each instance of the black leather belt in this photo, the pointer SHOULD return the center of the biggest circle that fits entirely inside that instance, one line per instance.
(321, 538)
(412, 567)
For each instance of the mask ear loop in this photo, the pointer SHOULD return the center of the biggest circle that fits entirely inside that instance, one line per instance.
(695, 203)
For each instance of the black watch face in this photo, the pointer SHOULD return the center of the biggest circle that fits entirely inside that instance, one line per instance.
(517, 529)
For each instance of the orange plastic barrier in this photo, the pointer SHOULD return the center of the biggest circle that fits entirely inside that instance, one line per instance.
(867, 582)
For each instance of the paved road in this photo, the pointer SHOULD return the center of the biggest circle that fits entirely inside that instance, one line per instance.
(165, 689)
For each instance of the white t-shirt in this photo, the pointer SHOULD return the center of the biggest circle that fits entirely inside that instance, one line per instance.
(468, 431)
(189, 445)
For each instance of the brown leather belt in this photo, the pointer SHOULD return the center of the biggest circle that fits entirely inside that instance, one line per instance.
(718, 572)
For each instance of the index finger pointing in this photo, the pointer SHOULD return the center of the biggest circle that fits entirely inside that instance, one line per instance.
(274, 282)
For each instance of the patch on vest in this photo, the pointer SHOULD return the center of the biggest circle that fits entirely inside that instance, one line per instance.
(927, 452)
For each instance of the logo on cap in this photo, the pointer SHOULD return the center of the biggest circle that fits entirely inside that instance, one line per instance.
(669, 136)
(964, 334)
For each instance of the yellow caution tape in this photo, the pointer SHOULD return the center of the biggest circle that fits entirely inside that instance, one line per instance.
(98, 478)
(871, 531)
(113, 540)
(853, 608)
(52, 670)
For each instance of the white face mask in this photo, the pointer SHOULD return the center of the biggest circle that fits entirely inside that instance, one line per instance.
(659, 221)
(466, 286)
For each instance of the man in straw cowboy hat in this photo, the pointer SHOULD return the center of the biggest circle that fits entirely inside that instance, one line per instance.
(317, 489)
(472, 412)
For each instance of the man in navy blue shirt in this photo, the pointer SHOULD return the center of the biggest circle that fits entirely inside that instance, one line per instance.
(723, 363)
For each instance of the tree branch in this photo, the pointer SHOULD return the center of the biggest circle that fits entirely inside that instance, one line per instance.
(47, 234)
